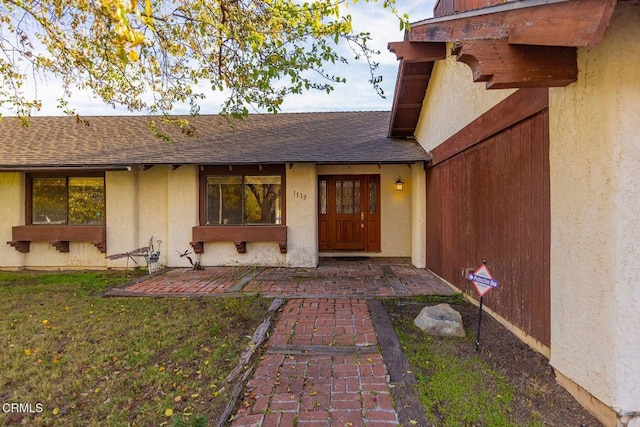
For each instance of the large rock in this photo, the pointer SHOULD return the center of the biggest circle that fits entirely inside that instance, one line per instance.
(440, 320)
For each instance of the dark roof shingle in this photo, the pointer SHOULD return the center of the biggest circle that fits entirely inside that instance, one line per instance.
(340, 137)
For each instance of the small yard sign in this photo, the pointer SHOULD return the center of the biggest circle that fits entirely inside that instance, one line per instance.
(483, 280)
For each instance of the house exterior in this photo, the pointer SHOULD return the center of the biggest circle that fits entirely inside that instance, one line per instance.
(529, 112)
(271, 190)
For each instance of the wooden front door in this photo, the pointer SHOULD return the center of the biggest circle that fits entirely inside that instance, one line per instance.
(349, 212)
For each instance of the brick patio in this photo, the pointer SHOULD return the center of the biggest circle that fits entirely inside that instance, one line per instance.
(374, 277)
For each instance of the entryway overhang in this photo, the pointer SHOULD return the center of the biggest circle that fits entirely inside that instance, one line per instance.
(524, 44)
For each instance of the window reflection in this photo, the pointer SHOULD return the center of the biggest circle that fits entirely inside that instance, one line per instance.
(67, 200)
(239, 199)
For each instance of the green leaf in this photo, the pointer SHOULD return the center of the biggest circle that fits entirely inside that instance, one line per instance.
(242, 49)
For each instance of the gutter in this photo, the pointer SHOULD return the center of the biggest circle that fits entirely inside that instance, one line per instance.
(53, 168)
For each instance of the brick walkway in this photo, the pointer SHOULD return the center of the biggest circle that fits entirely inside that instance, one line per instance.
(322, 367)
(322, 364)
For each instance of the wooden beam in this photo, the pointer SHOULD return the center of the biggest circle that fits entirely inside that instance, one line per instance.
(58, 235)
(502, 65)
(239, 235)
(20, 245)
(578, 23)
(521, 104)
(198, 247)
(420, 77)
(411, 86)
(410, 105)
(583, 27)
(61, 245)
(418, 51)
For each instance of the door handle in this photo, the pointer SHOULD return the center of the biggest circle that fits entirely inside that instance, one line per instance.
(361, 219)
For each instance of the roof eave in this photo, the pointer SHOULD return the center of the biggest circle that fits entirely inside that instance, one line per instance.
(518, 26)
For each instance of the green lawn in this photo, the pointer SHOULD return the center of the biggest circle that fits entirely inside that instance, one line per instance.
(456, 385)
(81, 359)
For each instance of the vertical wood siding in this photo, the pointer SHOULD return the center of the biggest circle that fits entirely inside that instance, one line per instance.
(449, 7)
(491, 202)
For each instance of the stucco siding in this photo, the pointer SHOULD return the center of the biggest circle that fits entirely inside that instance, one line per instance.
(182, 199)
(121, 214)
(258, 253)
(11, 213)
(595, 234)
(41, 254)
(444, 110)
(594, 158)
(418, 217)
(163, 203)
(302, 222)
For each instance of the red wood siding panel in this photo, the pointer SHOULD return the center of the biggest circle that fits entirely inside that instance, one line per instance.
(449, 7)
(434, 219)
(491, 202)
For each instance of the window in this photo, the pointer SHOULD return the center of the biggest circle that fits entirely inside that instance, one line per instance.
(243, 198)
(262, 195)
(67, 200)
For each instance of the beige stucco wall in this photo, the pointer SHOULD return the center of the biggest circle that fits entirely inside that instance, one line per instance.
(153, 214)
(396, 209)
(139, 204)
(595, 202)
(182, 192)
(41, 254)
(595, 233)
(162, 203)
(11, 213)
(302, 219)
(122, 214)
(452, 101)
(444, 110)
(418, 216)
(157, 202)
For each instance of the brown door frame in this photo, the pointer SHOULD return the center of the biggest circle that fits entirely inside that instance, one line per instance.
(369, 215)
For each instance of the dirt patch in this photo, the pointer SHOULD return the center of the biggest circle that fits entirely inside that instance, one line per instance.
(537, 395)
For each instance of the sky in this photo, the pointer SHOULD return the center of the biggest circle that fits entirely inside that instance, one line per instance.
(356, 94)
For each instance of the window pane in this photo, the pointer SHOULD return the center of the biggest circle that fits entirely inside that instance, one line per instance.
(323, 197)
(49, 201)
(262, 200)
(224, 200)
(373, 194)
(86, 201)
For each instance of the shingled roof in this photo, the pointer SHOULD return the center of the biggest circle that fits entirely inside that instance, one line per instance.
(117, 141)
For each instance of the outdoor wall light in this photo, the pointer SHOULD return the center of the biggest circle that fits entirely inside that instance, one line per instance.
(399, 185)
